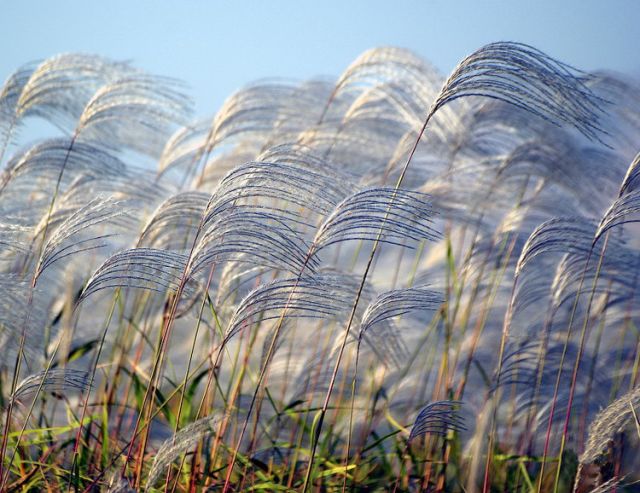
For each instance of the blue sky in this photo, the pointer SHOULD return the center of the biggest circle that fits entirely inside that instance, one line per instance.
(216, 47)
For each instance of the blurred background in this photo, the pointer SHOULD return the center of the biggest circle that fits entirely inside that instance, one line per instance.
(217, 47)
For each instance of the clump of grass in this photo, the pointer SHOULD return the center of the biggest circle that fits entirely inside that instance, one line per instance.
(394, 280)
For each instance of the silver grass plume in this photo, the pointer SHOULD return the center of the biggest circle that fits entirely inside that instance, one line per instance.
(254, 118)
(13, 237)
(119, 484)
(552, 159)
(392, 304)
(631, 180)
(622, 211)
(399, 302)
(558, 235)
(318, 296)
(385, 63)
(14, 308)
(398, 215)
(602, 432)
(262, 236)
(45, 159)
(174, 224)
(142, 268)
(182, 148)
(135, 112)
(318, 190)
(627, 203)
(70, 237)
(262, 108)
(527, 78)
(11, 89)
(611, 485)
(9, 95)
(609, 422)
(55, 380)
(520, 365)
(618, 268)
(183, 441)
(60, 87)
(236, 280)
(437, 418)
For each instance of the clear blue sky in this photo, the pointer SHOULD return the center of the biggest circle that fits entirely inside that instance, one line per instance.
(216, 47)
